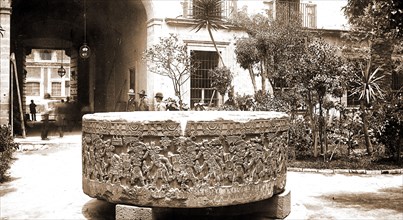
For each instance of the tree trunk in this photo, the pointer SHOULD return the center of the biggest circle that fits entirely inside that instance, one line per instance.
(312, 125)
(215, 45)
(252, 77)
(365, 126)
(263, 75)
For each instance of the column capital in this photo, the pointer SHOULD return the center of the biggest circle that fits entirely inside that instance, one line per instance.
(5, 5)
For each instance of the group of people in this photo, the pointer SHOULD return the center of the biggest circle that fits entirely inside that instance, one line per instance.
(64, 117)
(143, 104)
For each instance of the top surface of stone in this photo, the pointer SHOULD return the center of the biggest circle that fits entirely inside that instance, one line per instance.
(180, 116)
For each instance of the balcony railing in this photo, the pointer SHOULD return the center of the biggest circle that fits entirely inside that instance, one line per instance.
(226, 8)
(288, 10)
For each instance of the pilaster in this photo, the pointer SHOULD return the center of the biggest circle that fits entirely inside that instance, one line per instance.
(5, 18)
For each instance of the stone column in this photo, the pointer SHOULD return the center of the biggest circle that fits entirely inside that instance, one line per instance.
(5, 18)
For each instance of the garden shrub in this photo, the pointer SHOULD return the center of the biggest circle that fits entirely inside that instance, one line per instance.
(391, 131)
(299, 140)
(265, 102)
(7, 148)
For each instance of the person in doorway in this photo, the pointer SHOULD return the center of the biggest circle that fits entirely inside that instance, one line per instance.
(45, 118)
(159, 106)
(32, 110)
(143, 103)
(69, 114)
(132, 103)
(60, 112)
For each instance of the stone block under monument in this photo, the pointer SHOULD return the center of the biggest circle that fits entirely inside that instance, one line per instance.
(187, 163)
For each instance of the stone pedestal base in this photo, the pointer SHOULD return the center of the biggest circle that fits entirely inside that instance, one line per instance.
(276, 207)
(129, 212)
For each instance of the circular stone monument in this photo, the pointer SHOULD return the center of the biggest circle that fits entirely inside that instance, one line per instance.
(188, 159)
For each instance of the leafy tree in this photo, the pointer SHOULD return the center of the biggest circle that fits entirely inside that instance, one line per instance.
(272, 44)
(247, 57)
(207, 13)
(221, 80)
(380, 18)
(380, 23)
(319, 72)
(170, 58)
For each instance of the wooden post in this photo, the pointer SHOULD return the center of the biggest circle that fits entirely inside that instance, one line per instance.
(19, 95)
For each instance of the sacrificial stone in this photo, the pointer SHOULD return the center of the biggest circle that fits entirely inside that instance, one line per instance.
(188, 159)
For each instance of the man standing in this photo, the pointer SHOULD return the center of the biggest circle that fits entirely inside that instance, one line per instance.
(143, 103)
(45, 118)
(32, 110)
(60, 117)
(159, 106)
(132, 103)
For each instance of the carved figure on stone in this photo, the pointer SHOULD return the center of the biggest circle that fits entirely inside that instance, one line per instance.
(137, 152)
(189, 154)
(115, 169)
(212, 154)
(160, 168)
(125, 172)
(99, 152)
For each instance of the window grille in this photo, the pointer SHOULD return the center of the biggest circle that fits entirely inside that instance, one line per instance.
(32, 88)
(286, 10)
(309, 16)
(56, 89)
(200, 82)
(224, 11)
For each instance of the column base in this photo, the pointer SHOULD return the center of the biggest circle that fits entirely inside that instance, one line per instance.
(276, 207)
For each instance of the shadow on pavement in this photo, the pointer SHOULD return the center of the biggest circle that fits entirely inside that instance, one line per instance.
(388, 198)
(97, 209)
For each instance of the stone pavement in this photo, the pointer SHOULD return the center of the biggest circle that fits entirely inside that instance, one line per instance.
(46, 184)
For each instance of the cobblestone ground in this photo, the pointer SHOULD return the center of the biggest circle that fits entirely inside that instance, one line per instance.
(46, 184)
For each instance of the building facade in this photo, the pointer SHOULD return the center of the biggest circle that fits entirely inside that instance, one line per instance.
(118, 33)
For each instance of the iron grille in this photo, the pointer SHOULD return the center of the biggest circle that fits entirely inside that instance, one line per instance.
(307, 12)
(200, 82)
(227, 7)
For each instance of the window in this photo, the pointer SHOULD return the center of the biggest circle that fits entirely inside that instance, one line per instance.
(200, 82)
(269, 8)
(34, 72)
(310, 16)
(353, 99)
(45, 55)
(214, 11)
(397, 81)
(132, 78)
(223, 10)
(280, 83)
(32, 88)
(67, 88)
(56, 89)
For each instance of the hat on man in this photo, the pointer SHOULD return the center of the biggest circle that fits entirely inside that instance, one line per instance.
(159, 95)
(131, 92)
(142, 93)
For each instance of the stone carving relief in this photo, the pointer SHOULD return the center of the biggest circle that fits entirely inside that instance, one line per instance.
(157, 158)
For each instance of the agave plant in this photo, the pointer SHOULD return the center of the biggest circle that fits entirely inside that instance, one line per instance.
(207, 13)
(368, 85)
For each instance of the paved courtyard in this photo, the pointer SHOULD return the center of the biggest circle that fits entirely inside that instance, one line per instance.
(46, 184)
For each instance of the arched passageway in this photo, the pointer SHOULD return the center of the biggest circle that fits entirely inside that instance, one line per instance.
(116, 32)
